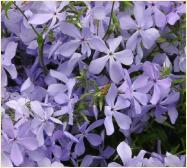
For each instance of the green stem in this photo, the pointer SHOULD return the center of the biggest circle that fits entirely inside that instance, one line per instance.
(40, 41)
(110, 21)
(40, 55)
(26, 18)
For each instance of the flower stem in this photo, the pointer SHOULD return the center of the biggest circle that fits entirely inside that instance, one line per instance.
(110, 21)
(40, 40)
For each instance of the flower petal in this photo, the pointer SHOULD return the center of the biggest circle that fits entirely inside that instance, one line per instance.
(68, 48)
(124, 151)
(97, 65)
(160, 18)
(114, 43)
(79, 147)
(122, 120)
(149, 37)
(94, 139)
(109, 125)
(39, 19)
(16, 154)
(127, 23)
(156, 95)
(70, 30)
(115, 71)
(111, 95)
(125, 57)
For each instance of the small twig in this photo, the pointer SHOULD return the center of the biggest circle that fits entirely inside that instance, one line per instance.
(39, 36)
(110, 21)
(26, 18)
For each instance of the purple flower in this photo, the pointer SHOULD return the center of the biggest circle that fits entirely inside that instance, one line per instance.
(168, 105)
(9, 48)
(93, 15)
(93, 139)
(161, 86)
(68, 100)
(84, 38)
(135, 91)
(48, 11)
(174, 15)
(43, 121)
(17, 140)
(125, 153)
(115, 60)
(143, 31)
(111, 110)
(172, 160)
(22, 113)
(153, 9)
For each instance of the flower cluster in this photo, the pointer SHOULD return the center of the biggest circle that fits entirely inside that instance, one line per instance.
(90, 83)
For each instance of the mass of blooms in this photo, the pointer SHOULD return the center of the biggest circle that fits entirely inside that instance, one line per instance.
(93, 83)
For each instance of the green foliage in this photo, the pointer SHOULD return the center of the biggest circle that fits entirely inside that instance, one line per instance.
(6, 6)
(165, 72)
(124, 5)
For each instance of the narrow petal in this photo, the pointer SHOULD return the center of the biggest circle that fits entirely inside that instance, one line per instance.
(156, 95)
(139, 9)
(132, 41)
(125, 57)
(115, 71)
(124, 151)
(70, 30)
(149, 37)
(173, 113)
(141, 97)
(9, 53)
(114, 43)
(160, 18)
(111, 95)
(122, 120)
(121, 103)
(94, 139)
(140, 82)
(94, 125)
(97, 44)
(109, 125)
(67, 49)
(97, 65)
(16, 154)
(39, 19)
(127, 23)
(172, 18)
(79, 147)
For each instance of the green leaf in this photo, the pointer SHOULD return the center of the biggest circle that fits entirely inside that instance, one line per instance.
(178, 81)
(115, 20)
(7, 7)
(161, 40)
(165, 72)
(125, 5)
(40, 40)
(175, 149)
